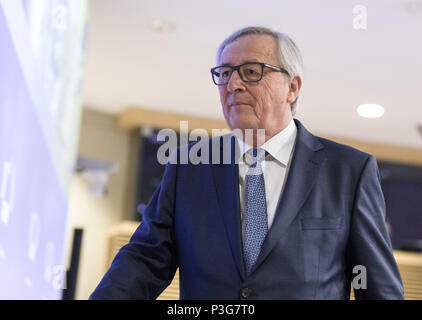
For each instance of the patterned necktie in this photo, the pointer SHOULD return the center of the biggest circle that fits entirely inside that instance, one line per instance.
(256, 223)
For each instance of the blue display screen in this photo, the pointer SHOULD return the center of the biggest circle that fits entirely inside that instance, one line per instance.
(33, 188)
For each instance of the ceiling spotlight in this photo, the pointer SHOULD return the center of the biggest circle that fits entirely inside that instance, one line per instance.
(410, 6)
(163, 26)
(370, 110)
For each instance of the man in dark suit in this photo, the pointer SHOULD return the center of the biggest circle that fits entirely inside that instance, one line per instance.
(290, 216)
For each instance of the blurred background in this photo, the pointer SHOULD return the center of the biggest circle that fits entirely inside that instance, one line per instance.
(85, 86)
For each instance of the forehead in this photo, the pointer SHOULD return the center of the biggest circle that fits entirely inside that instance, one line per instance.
(258, 48)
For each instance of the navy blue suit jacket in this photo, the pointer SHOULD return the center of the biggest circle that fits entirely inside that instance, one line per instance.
(331, 218)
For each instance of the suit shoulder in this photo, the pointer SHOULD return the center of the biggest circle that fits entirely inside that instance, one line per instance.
(344, 152)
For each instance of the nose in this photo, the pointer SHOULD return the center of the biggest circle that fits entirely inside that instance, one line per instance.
(235, 83)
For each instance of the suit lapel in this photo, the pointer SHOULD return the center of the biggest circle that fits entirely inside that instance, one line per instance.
(300, 181)
(226, 180)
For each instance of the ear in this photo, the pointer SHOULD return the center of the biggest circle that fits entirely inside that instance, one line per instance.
(294, 89)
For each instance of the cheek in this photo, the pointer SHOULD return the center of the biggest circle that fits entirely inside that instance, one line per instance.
(265, 99)
(223, 98)
(277, 94)
(223, 94)
(271, 102)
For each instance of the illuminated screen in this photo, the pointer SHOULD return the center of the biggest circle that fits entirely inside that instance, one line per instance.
(40, 105)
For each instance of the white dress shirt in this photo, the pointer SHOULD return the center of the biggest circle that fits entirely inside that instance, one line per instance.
(275, 168)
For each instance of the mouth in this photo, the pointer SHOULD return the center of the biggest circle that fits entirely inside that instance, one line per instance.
(238, 104)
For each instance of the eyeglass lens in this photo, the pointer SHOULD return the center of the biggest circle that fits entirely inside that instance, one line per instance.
(247, 72)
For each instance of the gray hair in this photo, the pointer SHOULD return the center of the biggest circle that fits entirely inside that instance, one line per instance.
(288, 54)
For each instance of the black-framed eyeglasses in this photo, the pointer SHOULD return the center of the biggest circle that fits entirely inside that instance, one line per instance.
(248, 72)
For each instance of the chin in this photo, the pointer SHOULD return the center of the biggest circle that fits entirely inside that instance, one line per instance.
(241, 121)
(242, 124)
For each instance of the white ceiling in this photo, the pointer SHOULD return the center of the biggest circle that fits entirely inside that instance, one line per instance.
(129, 63)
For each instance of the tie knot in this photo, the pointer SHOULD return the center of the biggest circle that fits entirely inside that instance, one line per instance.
(257, 155)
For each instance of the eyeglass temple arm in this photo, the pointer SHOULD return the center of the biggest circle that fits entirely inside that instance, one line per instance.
(277, 68)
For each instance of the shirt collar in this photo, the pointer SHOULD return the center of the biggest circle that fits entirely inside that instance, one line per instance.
(279, 146)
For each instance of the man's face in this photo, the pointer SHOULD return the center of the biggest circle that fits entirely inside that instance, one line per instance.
(255, 105)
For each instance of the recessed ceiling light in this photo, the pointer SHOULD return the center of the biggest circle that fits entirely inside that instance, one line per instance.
(160, 25)
(410, 6)
(370, 110)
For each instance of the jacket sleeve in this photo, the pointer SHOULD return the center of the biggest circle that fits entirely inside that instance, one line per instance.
(144, 267)
(370, 243)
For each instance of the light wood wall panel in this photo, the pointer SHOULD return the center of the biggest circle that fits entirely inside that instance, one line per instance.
(119, 236)
(133, 118)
